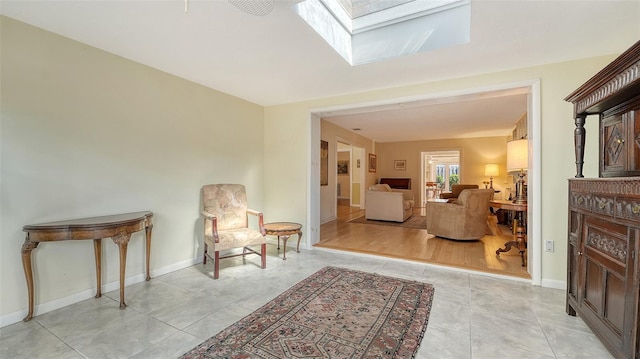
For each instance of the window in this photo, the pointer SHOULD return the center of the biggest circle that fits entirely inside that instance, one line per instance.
(441, 167)
(372, 30)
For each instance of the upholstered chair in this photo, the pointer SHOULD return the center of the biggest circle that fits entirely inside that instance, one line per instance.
(455, 191)
(226, 224)
(465, 219)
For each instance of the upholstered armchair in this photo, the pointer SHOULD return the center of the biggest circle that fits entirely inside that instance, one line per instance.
(464, 219)
(226, 224)
(455, 191)
(384, 204)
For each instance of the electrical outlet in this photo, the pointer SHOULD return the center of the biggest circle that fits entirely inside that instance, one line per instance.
(548, 246)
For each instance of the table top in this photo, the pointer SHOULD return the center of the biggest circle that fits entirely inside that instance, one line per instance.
(91, 222)
(508, 205)
(282, 227)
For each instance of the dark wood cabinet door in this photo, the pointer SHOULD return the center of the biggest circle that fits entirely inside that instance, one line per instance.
(605, 291)
(613, 152)
(620, 144)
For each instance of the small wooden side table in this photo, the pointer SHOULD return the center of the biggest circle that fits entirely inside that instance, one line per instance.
(519, 229)
(284, 230)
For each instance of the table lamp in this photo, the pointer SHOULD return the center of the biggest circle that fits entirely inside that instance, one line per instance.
(518, 161)
(491, 170)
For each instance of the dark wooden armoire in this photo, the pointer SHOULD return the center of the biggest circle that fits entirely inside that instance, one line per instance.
(603, 271)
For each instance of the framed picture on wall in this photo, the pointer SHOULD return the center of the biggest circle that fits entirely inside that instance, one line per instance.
(372, 162)
(400, 165)
(343, 167)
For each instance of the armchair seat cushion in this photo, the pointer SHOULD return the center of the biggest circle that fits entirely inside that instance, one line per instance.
(234, 238)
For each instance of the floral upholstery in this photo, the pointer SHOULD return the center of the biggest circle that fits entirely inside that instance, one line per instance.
(225, 215)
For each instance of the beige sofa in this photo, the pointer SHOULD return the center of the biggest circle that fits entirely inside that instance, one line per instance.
(464, 219)
(384, 204)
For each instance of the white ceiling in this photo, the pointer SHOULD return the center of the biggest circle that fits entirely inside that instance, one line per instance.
(277, 58)
(485, 114)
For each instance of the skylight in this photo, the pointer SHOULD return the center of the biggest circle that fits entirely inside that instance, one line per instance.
(364, 31)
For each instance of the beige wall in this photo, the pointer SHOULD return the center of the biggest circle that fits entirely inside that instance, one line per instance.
(474, 154)
(88, 133)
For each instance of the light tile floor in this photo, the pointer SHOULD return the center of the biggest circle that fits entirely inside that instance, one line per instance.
(473, 316)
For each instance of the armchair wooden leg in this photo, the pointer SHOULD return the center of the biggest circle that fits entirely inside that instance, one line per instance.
(216, 265)
(263, 254)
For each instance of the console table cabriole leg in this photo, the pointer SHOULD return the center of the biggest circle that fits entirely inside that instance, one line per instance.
(27, 248)
(97, 250)
(299, 237)
(148, 234)
(285, 238)
(122, 240)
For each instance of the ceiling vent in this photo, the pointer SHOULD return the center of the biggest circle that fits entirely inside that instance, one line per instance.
(254, 7)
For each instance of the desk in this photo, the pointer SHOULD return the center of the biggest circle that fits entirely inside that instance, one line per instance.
(284, 230)
(118, 227)
(518, 224)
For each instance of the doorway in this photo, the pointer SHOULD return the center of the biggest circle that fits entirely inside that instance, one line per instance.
(440, 170)
(350, 174)
(534, 127)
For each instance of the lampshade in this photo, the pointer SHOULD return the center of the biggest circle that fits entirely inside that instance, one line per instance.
(517, 155)
(491, 169)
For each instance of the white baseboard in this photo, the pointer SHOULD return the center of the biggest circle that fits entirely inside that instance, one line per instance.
(327, 220)
(555, 284)
(52, 305)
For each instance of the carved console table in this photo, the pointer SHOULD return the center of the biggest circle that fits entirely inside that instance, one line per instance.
(118, 227)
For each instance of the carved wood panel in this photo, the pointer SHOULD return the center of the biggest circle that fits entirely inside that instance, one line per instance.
(603, 288)
(603, 205)
(613, 144)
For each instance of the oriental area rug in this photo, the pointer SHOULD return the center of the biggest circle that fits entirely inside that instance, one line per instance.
(411, 222)
(334, 313)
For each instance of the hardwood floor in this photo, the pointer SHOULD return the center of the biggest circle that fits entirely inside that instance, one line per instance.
(417, 245)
